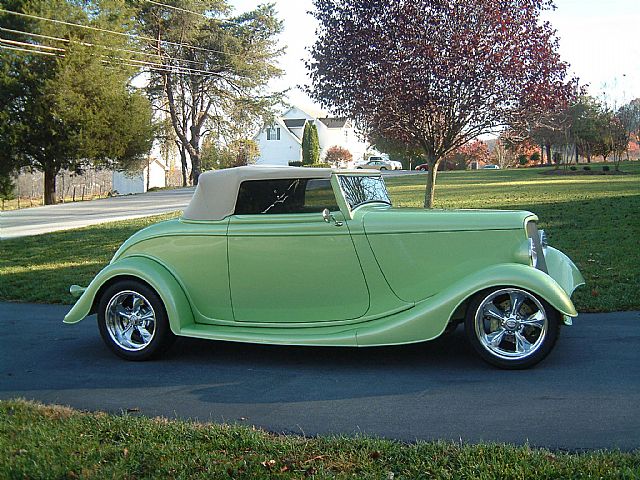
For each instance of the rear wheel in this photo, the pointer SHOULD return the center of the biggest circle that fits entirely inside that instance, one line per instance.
(511, 328)
(133, 321)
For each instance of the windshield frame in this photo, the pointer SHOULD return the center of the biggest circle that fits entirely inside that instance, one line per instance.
(377, 177)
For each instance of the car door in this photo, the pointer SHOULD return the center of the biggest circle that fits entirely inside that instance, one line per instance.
(286, 264)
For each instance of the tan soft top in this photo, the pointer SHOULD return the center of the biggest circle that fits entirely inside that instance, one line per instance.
(217, 191)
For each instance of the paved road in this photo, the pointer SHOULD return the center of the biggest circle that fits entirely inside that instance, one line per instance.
(585, 395)
(50, 218)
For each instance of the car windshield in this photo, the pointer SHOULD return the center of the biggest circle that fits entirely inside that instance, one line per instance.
(361, 189)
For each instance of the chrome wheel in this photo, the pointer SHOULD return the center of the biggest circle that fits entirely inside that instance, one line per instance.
(130, 320)
(511, 324)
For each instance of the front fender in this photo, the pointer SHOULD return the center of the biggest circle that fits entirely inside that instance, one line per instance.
(148, 270)
(528, 278)
(563, 270)
(429, 318)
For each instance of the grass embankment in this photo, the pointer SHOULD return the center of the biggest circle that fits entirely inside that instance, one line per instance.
(57, 442)
(593, 218)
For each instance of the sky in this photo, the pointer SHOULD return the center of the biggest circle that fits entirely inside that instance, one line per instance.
(600, 39)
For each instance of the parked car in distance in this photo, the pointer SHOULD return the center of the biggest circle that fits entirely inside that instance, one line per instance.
(321, 257)
(491, 167)
(423, 167)
(376, 163)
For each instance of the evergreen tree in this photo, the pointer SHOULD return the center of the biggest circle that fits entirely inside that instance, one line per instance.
(73, 107)
(306, 144)
(314, 144)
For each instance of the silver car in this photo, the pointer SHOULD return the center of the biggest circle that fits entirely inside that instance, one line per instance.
(377, 165)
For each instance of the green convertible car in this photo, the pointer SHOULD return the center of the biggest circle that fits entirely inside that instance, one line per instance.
(304, 256)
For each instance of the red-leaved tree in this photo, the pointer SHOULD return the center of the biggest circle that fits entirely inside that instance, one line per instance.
(471, 152)
(337, 154)
(435, 74)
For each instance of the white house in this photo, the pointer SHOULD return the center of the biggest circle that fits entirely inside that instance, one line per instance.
(154, 174)
(281, 142)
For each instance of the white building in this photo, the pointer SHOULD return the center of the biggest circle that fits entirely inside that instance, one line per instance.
(281, 142)
(154, 174)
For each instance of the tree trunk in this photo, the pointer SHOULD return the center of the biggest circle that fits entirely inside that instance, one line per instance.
(50, 187)
(548, 148)
(183, 164)
(194, 153)
(431, 183)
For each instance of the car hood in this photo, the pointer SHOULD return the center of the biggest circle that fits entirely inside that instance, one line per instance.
(379, 220)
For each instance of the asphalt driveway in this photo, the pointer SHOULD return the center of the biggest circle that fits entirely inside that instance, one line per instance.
(64, 216)
(585, 395)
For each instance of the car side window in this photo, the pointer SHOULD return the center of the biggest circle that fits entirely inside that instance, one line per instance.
(300, 195)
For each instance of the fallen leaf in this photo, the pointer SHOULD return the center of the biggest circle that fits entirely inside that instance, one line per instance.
(317, 457)
(268, 463)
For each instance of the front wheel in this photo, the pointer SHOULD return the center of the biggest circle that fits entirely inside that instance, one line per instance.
(511, 328)
(133, 321)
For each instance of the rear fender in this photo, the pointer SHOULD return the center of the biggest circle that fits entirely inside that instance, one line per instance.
(141, 268)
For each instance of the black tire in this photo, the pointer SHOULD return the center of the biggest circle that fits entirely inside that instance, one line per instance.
(124, 296)
(540, 335)
(382, 168)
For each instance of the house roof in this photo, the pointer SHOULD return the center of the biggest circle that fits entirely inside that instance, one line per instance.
(334, 122)
(295, 122)
(279, 122)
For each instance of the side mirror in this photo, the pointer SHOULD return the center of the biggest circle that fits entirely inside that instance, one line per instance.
(327, 217)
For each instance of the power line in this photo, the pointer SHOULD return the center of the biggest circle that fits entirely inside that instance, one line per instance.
(66, 40)
(180, 9)
(137, 63)
(104, 30)
(6, 47)
(25, 44)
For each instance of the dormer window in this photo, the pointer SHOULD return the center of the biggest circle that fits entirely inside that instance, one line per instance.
(273, 133)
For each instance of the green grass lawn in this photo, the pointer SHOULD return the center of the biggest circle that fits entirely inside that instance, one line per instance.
(41, 268)
(57, 442)
(594, 219)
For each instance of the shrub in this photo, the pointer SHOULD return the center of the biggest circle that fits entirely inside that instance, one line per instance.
(336, 154)
(586, 168)
(523, 159)
(297, 163)
(319, 165)
(605, 168)
(573, 168)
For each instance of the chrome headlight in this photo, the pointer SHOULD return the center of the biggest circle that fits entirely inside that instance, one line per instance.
(537, 245)
(533, 252)
(544, 241)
